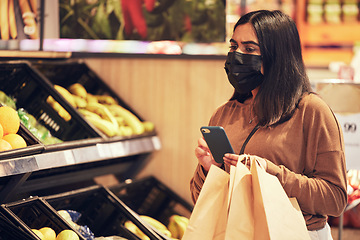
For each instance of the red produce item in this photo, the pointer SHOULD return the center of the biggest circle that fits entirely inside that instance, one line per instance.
(149, 5)
(134, 17)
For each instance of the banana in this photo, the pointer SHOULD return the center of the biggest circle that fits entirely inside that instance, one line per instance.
(177, 225)
(103, 111)
(134, 229)
(80, 102)
(66, 94)
(173, 228)
(103, 125)
(148, 126)
(125, 131)
(87, 113)
(106, 99)
(120, 121)
(129, 118)
(91, 98)
(156, 224)
(58, 108)
(78, 90)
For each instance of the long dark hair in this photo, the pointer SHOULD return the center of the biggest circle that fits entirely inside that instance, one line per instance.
(285, 78)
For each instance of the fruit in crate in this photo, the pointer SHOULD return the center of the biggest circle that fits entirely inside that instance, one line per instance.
(4, 145)
(57, 107)
(29, 121)
(38, 233)
(104, 112)
(9, 126)
(37, 129)
(78, 90)
(134, 229)
(9, 120)
(177, 225)
(67, 235)
(48, 233)
(15, 140)
(157, 225)
(66, 94)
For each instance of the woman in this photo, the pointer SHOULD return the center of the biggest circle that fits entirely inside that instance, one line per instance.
(274, 115)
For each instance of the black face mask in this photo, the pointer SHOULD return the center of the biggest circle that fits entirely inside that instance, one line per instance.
(243, 71)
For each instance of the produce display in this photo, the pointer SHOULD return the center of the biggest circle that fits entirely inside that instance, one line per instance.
(72, 217)
(9, 126)
(47, 233)
(102, 111)
(29, 121)
(175, 229)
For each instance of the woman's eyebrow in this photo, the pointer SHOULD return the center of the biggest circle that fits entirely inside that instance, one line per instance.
(245, 42)
(232, 41)
(250, 42)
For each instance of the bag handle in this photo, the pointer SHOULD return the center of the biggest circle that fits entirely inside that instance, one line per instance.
(248, 160)
(248, 138)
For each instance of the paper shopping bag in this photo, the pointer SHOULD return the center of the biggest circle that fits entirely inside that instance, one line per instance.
(240, 224)
(209, 216)
(275, 217)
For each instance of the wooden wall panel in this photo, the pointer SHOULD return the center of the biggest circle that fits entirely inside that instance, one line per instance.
(179, 96)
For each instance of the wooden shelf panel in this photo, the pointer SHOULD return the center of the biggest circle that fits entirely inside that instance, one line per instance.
(321, 57)
(330, 34)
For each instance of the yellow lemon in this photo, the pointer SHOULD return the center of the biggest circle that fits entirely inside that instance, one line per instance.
(49, 233)
(67, 235)
(15, 140)
(38, 233)
(9, 119)
(1, 131)
(4, 145)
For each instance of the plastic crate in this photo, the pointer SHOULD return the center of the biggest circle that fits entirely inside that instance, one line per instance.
(34, 146)
(31, 89)
(101, 211)
(34, 213)
(66, 73)
(9, 231)
(148, 196)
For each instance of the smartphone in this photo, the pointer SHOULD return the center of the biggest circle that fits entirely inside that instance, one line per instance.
(217, 141)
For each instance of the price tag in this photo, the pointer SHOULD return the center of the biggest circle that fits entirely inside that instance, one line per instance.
(104, 150)
(117, 149)
(69, 157)
(156, 142)
(50, 160)
(86, 154)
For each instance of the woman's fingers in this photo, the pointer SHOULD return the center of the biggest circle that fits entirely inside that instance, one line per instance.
(231, 159)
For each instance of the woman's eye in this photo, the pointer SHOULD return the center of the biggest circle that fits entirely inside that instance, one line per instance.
(250, 49)
(233, 47)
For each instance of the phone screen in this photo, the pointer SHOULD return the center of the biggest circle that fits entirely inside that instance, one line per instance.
(217, 141)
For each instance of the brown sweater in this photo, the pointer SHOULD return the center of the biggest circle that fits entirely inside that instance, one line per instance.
(306, 154)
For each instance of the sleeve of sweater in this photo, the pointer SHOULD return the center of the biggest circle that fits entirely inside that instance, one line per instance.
(321, 188)
(197, 182)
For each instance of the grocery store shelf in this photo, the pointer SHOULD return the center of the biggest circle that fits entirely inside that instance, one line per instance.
(33, 54)
(97, 152)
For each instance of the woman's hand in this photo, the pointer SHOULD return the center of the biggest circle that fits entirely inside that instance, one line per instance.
(204, 156)
(232, 159)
